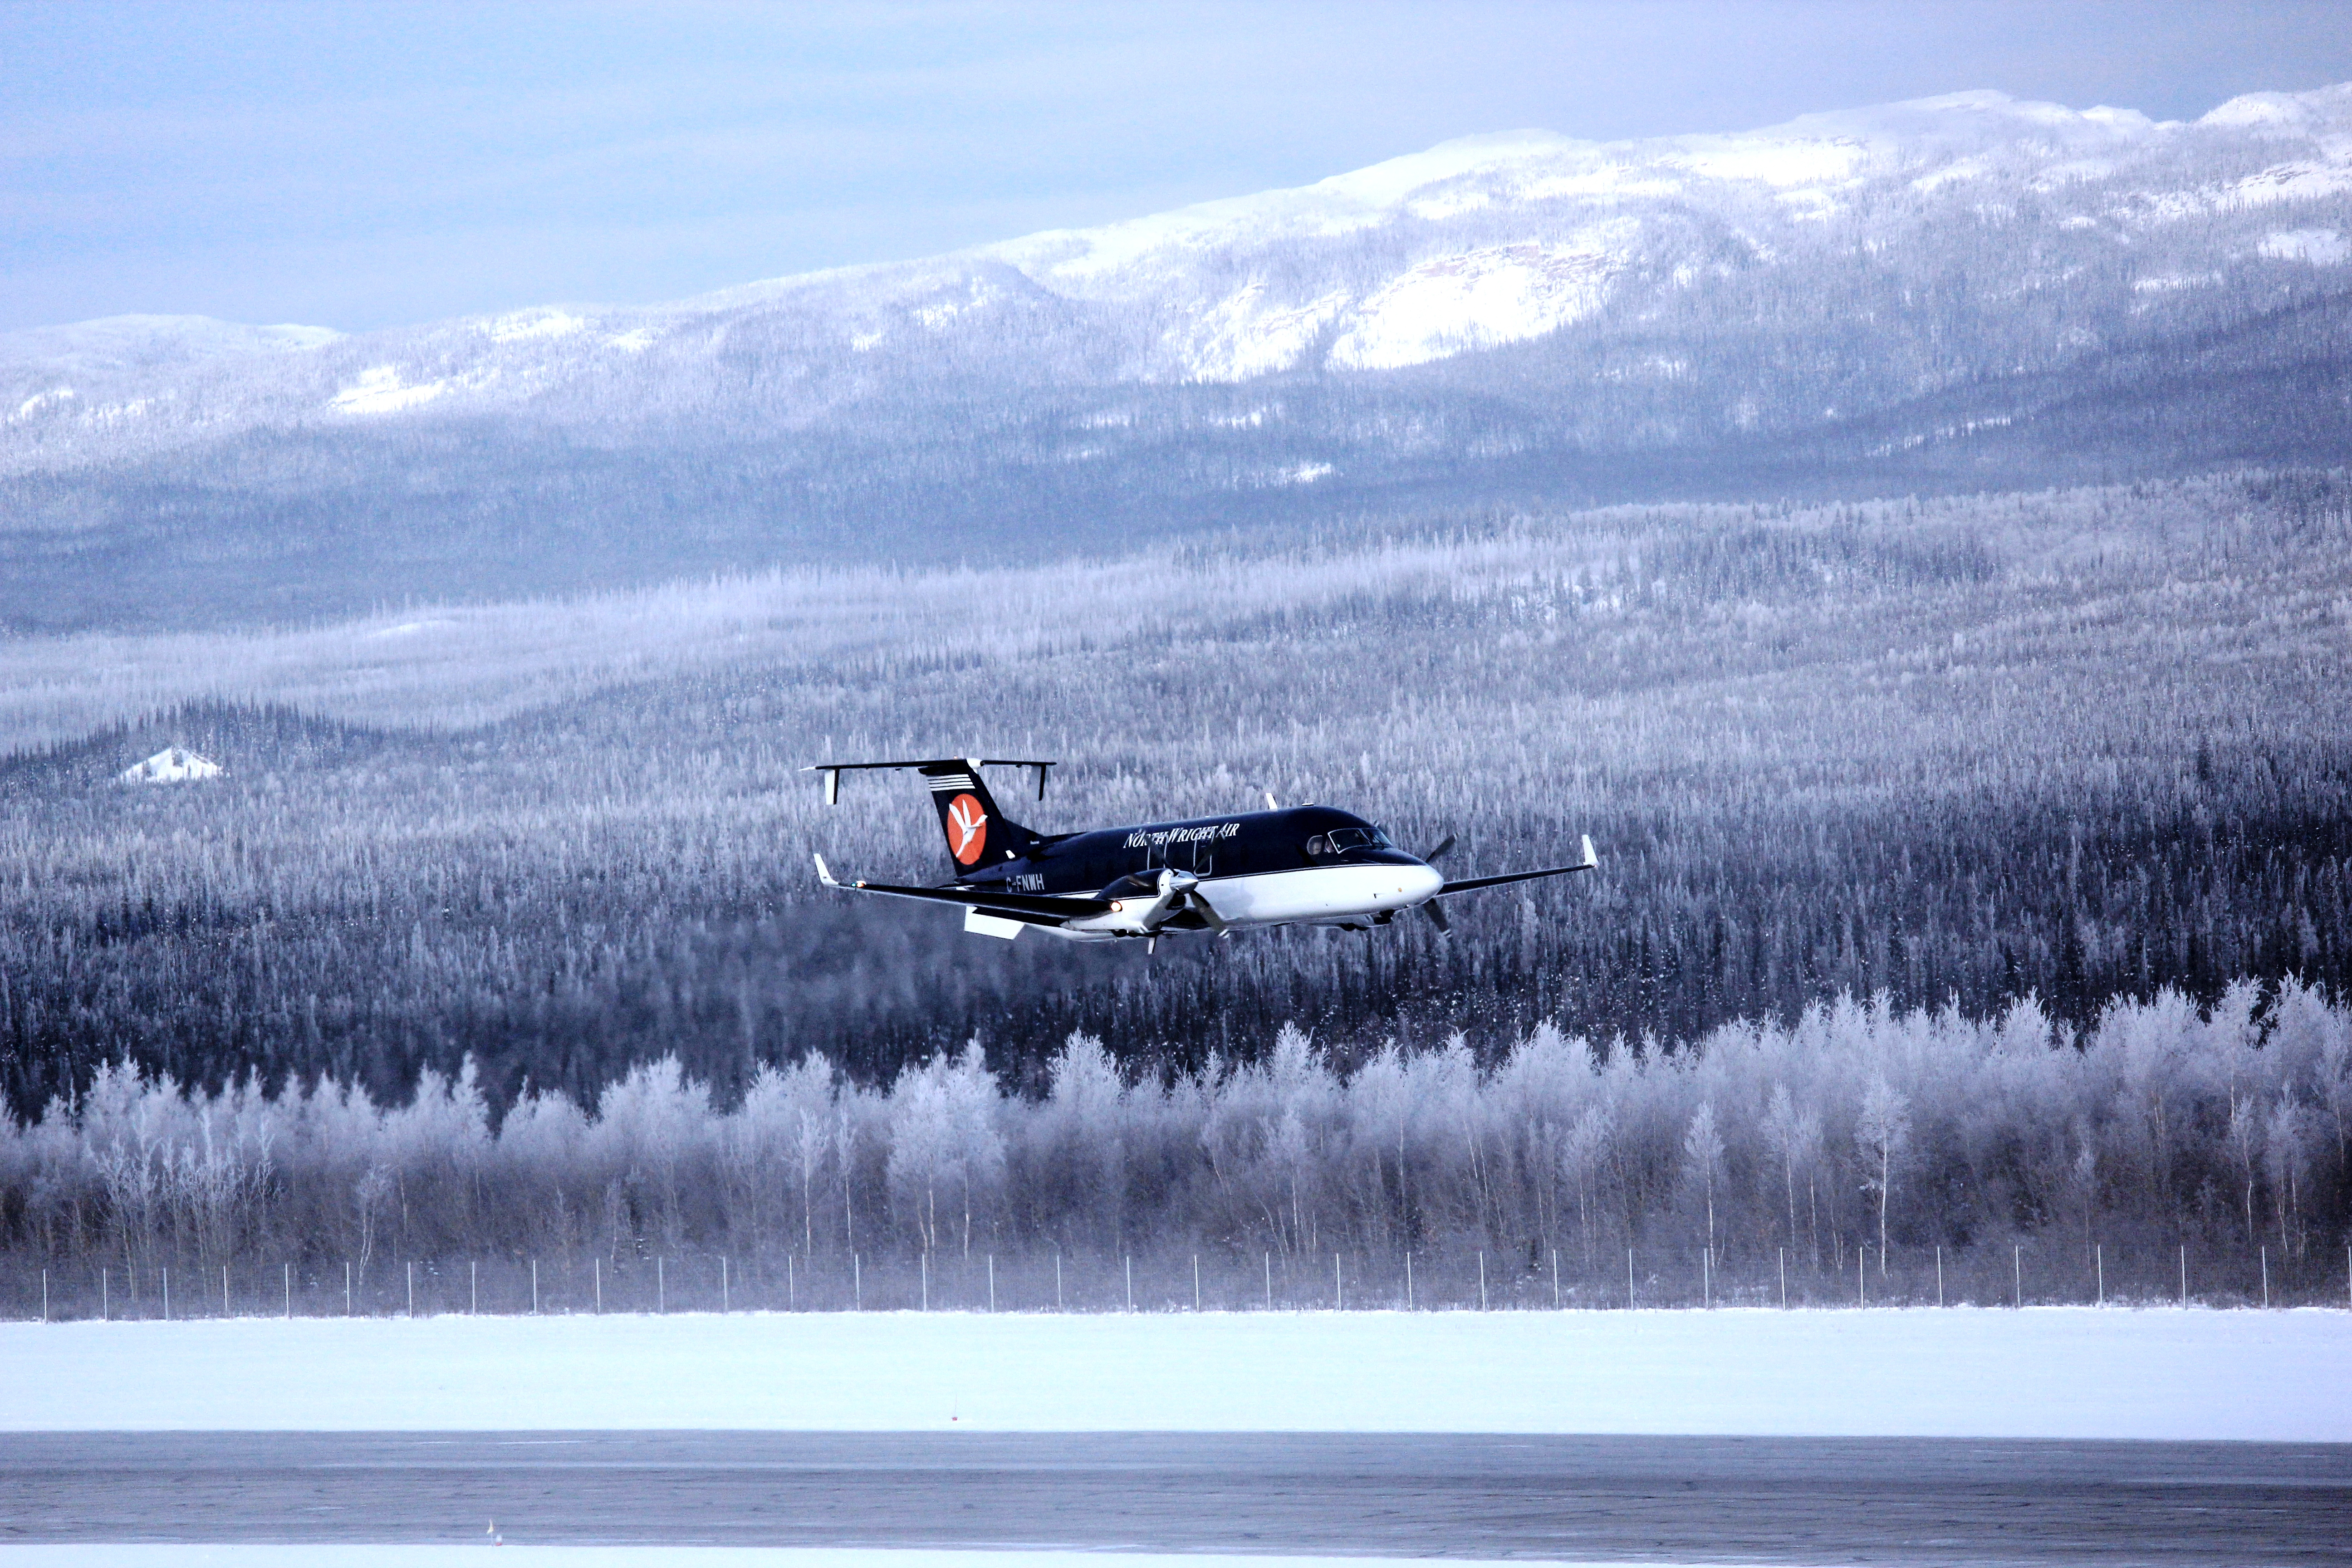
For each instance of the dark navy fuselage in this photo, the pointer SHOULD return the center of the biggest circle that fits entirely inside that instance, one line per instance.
(1245, 844)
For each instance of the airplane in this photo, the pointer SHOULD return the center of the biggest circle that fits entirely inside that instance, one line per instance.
(1305, 865)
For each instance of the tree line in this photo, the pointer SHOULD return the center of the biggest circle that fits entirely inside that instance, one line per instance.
(2167, 1149)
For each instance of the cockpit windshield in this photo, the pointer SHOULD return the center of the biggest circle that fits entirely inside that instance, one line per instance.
(1339, 840)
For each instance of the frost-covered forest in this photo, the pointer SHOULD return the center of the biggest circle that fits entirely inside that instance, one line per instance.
(1859, 1153)
(2081, 746)
(2077, 744)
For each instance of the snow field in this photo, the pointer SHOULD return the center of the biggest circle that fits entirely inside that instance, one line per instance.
(2080, 1373)
(518, 1556)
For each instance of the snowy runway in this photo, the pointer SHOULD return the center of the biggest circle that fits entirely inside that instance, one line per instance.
(2044, 1372)
(953, 1440)
(1481, 1497)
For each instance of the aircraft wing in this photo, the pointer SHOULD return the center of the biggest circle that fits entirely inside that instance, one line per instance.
(1015, 904)
(1590, 862)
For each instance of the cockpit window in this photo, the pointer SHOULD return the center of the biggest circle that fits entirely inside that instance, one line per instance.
(1339, 840)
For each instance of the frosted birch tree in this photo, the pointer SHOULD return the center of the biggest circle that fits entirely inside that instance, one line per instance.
(1702, 1162)
(1883, 1130)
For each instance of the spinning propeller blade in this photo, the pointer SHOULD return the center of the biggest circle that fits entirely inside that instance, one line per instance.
(1437, 916)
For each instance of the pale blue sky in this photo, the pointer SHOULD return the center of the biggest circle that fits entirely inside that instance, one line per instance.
(362, 165)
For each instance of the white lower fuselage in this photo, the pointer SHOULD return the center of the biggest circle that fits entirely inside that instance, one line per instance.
(1328, 895)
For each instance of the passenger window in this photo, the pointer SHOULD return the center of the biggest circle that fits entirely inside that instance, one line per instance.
(1318, 844)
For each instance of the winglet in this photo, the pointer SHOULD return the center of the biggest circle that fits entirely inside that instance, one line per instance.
(1591, 861)
(824, 873)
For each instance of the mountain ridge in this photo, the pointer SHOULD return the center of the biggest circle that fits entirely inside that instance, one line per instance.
(1804, 163)
(1960, 279)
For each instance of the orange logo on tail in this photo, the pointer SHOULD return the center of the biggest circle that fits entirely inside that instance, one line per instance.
(967, 829)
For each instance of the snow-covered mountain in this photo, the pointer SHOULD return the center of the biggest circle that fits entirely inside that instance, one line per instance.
(1860, 279)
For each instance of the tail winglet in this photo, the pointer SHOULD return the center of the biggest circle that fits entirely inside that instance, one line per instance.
(825, 872)
(1591, 861)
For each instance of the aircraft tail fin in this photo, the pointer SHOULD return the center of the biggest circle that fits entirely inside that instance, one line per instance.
(978, 833)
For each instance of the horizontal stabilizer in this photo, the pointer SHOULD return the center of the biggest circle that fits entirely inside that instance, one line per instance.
(832, 770)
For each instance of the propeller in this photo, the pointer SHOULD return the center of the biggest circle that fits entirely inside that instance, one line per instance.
(1428, 906)
(1175, 887)
(1179, 891)
(1176, 892)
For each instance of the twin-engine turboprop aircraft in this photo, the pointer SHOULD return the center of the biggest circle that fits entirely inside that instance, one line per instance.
(1308, 865)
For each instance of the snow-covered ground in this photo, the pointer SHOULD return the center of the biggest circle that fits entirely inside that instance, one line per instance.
(338, 1556)
(2041, 1372)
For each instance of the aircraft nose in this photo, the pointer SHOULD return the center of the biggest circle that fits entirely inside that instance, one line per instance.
(1420, 881)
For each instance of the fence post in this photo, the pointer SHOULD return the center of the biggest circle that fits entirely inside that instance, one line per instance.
(1482, 1281)
(167, 1294)
(347, 1287)
(290, 1291)
(1408, 1281)
(411, 1286)
(2099, 1262)
(1196, 1281)
(924, 1261)
(1555, 1279)
(1628, 1279)
(1269, 1282)
(2017, 1274)
(2266, 1282)
(596, 1268)
(2184, 1274)
(1706, 1279)
(105, 1297)
(1058, 1279)
(661, 1286)
(1784, 1279)
(534, 1287)
(1939, 1276)
(1861, 1276)
(224, 1311)
(1338, 1291)
(857, 1283)
(992, 1280)
(45, 1295)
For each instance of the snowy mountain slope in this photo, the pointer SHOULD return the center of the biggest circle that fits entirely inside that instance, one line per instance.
(1476, 243)
(1521, 298)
